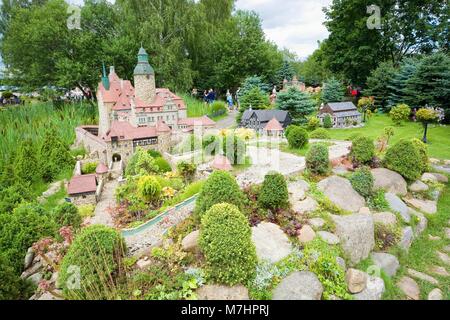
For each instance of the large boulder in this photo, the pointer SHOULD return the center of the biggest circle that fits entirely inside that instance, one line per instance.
(436, 177)
(356, 280)
(427, 206)
(373, 291)
(409, 287)
(306, 234)
(386, 262)
(218, 292)
(341, 193)
(389, 181)
(271, 242)
(356, 233)
(435, 294)
(190, 242)
(297, 190)
(418, 186)
(399, 206)
(328, 237)
(407, 238)
(385, 218)
(302, 285)
(304, 206)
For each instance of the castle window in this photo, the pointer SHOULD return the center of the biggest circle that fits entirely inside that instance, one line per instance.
(141, 120)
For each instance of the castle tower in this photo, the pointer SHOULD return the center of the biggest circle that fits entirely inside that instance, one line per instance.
(103, 112)
(144, 78)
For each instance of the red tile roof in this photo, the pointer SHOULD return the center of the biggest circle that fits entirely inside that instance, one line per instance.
(221, 163)
(273, 125)
(161, 126)
(123, 130)
(202, 121)
(82, 184)
(101, 168)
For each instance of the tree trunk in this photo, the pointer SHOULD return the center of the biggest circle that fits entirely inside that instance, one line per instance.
(425, 131)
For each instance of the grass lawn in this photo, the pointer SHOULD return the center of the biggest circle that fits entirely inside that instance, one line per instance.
(197, 108)
(438, 136)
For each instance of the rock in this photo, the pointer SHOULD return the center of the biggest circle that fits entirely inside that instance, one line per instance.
(35, 278)
(447, 233)
(143, 263)
(433, 238)
(418, 186)
(341, 193)
(399, 206)
(305, 206)
(218, 292)
(443, 257)
(271, 242)
(340, 170)
(48, 296)
(328, 237)
(54, 280)
(440, 271)
(302, 285)
(28, 258)
(32, 270)
(316, 222)
(190, 242)
(446, 248)
(356, 233)
(374, 289)
(341, 262)
(389, 181)
(385, 218)
(409, 287)
(387, 262)
(427, 206)
(421, 224)
(440, 177)
(364, 210)
(407, 238)
(435, 294)
(429, 177)
(307, 234)
(422, 276)
(297, 190)
(356, 280)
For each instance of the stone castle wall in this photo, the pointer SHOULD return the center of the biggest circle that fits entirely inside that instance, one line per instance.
(91, 143)
(145, 87)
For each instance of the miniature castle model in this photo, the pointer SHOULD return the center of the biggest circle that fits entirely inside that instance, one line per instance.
(130, 117)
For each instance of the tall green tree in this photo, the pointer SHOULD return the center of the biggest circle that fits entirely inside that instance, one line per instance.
(397, 86)
(378, 84)
(299, 104)
(26, 163)
(313, 70)
(332, 91)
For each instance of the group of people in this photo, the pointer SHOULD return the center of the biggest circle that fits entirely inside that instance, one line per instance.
(209, 96)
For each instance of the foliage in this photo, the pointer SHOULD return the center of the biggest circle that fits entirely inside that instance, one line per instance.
(218, 108)
(225, 240)
(363, 150)
(299, 104)
(97, 251)
(320, 133)
(163, 165)
(378, 84)
(154, 153)
(297, 137)
(141, 163)
(187, 170)
(397, 85)
(149, 188)
(332, 91)
(10, 284)
(189, 143)
(426, 115)
(233, 147)
(86, 211)
(423, 152)
(386, 236)
(220, 187)
(362, 181)
(317, 159)
(253, 82)
(274, 193)
(404, 158)
(327, 122)
(255, 98)
(26, 162)
(89, 167)
(313, 123)
(400, 113)
(67, 214)
(366, 105)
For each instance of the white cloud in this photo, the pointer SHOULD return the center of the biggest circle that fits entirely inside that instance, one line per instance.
(294, 24)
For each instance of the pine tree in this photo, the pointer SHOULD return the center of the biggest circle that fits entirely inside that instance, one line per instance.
(27, 167)
(333, 91)
(299, 104)
(397, 94)
(286, 71)
(377, 84)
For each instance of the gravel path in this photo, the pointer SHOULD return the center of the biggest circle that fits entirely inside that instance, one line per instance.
(101, 214)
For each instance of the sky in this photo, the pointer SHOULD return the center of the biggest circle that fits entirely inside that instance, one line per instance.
(293, 24)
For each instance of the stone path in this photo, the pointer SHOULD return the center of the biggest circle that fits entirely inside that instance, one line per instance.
(101, 214)
(228, 122)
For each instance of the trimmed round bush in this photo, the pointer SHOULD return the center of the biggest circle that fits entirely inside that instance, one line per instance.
(313, 123)
(149, 188)
(317, 159)
(91, 267)
(363, 150)
(67, 214)
(297, 137)
(320, 133)
(220, 187)
(362, 181)
(225, 240)
(163, 165)
(423, 151)
(404, 158)
(274, 192)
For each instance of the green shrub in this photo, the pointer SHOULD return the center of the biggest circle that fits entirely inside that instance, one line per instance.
(274, 192)
(225, 240)
(297, 137)
(89, 167)
(220, 187)
(327, 122)
(313, 123)
(362, 181)
(86, 210)
(163, 165)
(354, 136)
(154, 153)
(317, 159)
(233, 148)
(377, 202)
(363, 150)
(67, 214)
(187, 170)
(404, 158)
(7, 94)
(400, 113)
(211, 144)
(386, 236)
(320, 133)
(141, 163)
(10, 283)
(422, 148)
(218, 108)
(96, 254)
(149, 188)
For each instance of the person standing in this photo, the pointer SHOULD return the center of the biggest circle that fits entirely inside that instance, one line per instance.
(238, 91)
(205, 96)
(229, 100)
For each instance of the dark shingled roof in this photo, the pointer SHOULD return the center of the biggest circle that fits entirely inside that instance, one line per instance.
(266, 115)
(341, 106)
